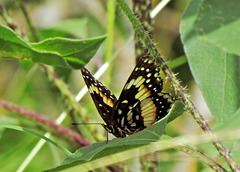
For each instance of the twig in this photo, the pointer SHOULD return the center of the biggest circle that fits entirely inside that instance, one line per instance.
(29, 22)
(146, 40)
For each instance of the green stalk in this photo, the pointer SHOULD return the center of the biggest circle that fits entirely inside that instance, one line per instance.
(110, 32)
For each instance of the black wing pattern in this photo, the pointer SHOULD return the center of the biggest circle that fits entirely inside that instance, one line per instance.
(142, 101)
(140, 104)
(102, 97)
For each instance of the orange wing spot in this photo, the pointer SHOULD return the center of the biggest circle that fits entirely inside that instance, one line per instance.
(105, 99)
(110, 102)
(94, 88)
(101, 94)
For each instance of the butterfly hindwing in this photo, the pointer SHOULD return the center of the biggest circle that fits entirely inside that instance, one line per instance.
(102, 97)
(142, 101)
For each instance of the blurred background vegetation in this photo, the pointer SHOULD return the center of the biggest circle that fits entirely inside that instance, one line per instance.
(26, 84)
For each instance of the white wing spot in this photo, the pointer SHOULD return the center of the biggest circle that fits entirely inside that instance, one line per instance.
(148, 80)
(150, 61)
(119, 111)
(147, 70)
(128, 86)
(90, 90)
(142, 68)
(148, 75)
(137, 117)
(133, 124)
(140, 82)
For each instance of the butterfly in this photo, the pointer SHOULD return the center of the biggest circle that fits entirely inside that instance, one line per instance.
(140, 104)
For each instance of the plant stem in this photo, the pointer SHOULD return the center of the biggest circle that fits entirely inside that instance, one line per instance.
(142, 10)
(110, 32)
(68, 97)
(34, 116)
(29, 22)
(198, 155)
(146, 40)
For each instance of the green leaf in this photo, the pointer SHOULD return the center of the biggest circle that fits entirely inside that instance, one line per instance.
(60, 52)
(18, 128)
(71, 27)
(99, 151)
(218, 23)
(233, 122)
(215, 70)
(76, 52)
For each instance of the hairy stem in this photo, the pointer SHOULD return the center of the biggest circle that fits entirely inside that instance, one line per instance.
(147, 42)
(198, 155)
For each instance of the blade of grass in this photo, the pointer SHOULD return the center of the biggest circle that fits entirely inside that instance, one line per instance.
(159, 7)
(22, 129)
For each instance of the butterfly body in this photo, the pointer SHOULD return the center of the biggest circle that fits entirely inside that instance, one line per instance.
(140, 104)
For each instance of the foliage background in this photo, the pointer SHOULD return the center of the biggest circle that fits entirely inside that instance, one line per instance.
(26, 84)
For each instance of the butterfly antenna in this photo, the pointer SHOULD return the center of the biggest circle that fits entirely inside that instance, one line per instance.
(82, 123)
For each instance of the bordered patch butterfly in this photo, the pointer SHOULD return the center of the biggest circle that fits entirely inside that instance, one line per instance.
(140, 104)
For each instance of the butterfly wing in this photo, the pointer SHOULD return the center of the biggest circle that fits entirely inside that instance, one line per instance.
(142, 101)
(102, 97)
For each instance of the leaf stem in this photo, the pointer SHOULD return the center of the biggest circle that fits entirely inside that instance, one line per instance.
(147, 41)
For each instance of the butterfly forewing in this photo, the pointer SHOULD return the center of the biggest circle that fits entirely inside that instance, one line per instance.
(101, 96)
(142, 101)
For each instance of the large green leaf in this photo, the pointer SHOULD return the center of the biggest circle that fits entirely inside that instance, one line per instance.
(61, 52)
(99, 151)
(67, 28)
(218, 23)
(215, 70)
